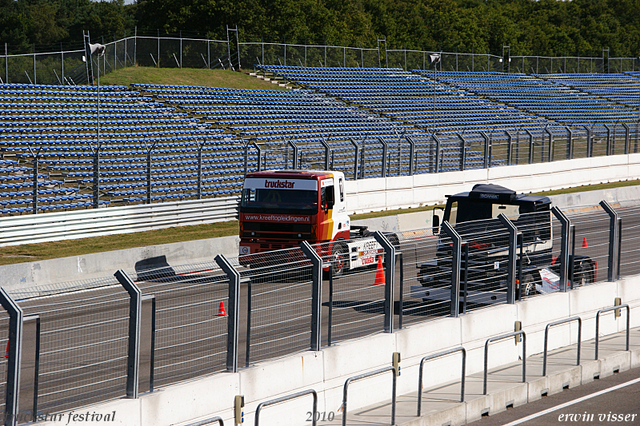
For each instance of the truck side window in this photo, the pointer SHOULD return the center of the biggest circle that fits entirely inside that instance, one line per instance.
(341, 185)
(248, 196)
(453, 213)
(327, 196)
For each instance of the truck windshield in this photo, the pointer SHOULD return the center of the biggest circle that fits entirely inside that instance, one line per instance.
(468, 210)
(279, 200)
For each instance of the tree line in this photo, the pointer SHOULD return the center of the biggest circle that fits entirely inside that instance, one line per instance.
(529, 27)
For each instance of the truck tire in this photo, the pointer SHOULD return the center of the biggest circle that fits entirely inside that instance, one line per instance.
(528, 285)
(394, 240)
(339, 259)
(584, 273)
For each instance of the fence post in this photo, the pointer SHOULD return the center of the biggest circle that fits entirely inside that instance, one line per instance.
(463, 152)
(135, 318)
(627, 134)
(564, 246)
(36, 165)
(208, 52)
(511, 268)
(35, 74)
(569, 143)
(355, 158)
(613, 239)
(530, 146)
(456, 253)
(437, 158)
(96, 176)
(608, 138)
(412, 153)
(316, 295)
(294, 163)
(384, 157)
(6, 64)
(234, 312)
(327, 149)
(589, 141)
(550, 147)
(135, 45)
(389, 275)
(399, 173)
(15, 355)
(149, 172)
(199, 190)
(363, 158)
(509, 147)
(486, 164)
(246, 156)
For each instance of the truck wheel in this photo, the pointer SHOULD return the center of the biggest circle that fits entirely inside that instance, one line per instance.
(339, 259)
(528, 285)
(393, 239)
(584, 274)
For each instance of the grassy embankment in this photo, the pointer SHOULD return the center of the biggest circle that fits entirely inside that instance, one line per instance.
(35, 252)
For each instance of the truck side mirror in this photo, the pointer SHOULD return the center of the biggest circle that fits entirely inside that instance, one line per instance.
(435, 224)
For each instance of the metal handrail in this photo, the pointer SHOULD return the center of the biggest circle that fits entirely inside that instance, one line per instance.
(502, 337)
(286, 398)
(362, 376)
(438, 355)
(208, 421)
(546, 336)
(612, 308)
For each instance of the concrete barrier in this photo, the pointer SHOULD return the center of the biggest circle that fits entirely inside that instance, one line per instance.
(326, 370)
(98, 265)
(429, 189)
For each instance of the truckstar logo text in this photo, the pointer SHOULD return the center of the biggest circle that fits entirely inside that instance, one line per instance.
(279, 184)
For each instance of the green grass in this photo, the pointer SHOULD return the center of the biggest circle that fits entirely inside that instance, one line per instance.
(187, 76)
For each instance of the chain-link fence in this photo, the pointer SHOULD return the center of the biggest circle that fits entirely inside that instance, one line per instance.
(82, 351)
(176, 51)
(189, 334)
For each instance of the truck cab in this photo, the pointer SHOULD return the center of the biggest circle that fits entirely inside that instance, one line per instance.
(485, 243)
(474, 216)
(281, 208)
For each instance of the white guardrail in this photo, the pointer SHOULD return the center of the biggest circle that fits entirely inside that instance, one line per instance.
(364, 196)
(57, 226)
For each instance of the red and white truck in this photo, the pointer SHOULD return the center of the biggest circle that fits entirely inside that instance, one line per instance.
(281, 208)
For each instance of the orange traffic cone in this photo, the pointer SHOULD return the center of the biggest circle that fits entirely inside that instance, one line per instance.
(584, 242)
(379, 273)
(221, 312)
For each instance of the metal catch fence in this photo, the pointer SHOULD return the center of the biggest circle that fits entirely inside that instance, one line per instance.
(189, 333)
(82, 356)
(98, 341)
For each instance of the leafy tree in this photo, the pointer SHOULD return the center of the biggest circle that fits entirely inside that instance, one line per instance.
(543, 27)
